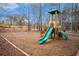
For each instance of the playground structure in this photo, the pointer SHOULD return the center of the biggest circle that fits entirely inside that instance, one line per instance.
(54, 28)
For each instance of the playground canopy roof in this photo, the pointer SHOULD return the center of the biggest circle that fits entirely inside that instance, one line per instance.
(52, 11)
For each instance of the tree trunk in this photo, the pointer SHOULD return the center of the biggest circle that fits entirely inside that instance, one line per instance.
(28, 20)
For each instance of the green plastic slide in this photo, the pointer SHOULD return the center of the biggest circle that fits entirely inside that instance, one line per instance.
(46, 36)
(63, 34)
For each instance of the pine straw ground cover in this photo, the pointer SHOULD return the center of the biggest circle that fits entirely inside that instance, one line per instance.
(27, 41)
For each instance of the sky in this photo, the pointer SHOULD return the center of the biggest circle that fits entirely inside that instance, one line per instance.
(20, 8)
(10, 9)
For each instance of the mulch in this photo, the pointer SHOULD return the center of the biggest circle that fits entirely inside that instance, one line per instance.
(7, 49)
